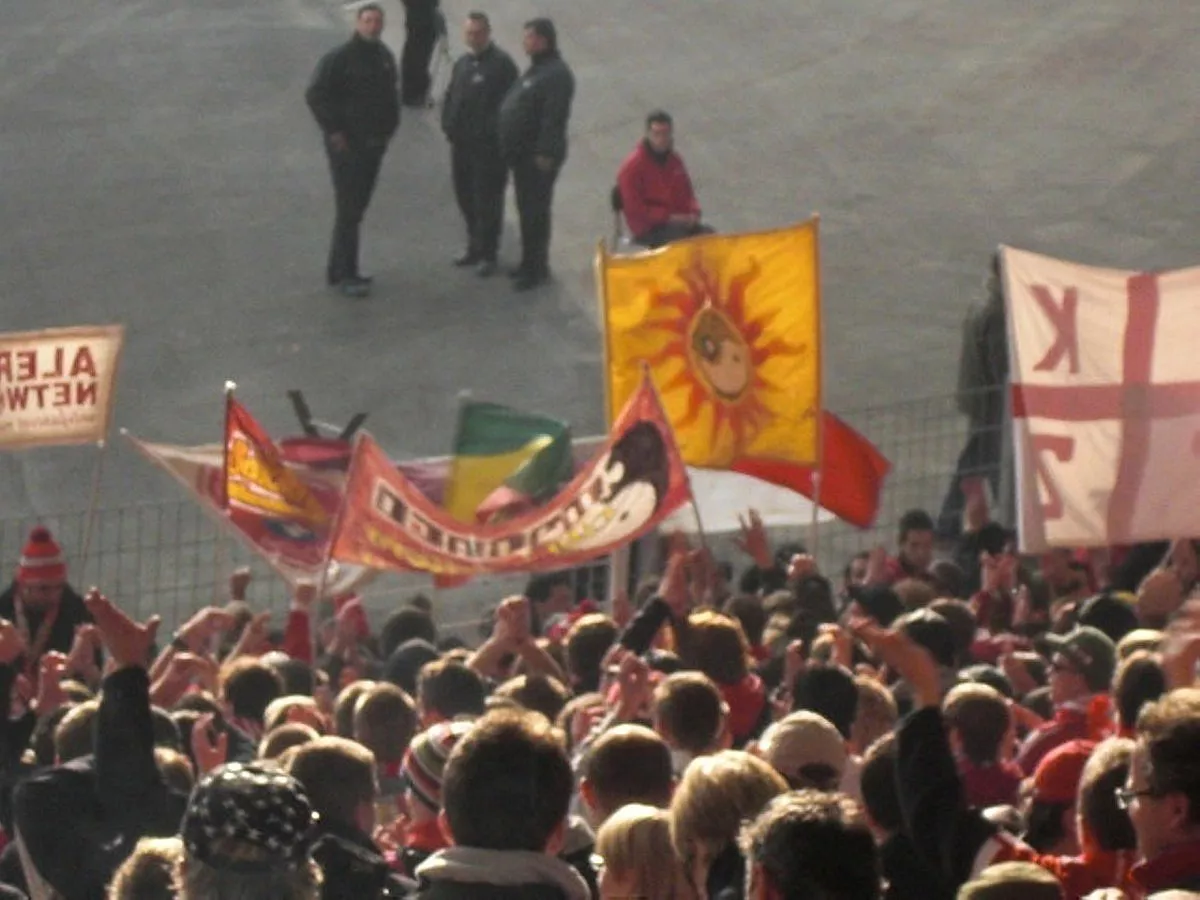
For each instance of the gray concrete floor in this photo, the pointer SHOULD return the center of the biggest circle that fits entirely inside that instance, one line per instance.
(160, 169)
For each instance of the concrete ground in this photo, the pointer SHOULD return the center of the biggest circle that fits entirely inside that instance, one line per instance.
(160, 169)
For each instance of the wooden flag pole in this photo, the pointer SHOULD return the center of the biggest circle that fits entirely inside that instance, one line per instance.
(814, 526)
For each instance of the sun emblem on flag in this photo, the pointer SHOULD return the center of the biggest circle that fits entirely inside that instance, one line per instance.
(706, 326)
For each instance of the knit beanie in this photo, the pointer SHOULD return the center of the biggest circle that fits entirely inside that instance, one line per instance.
(42, 560)
(425, 761)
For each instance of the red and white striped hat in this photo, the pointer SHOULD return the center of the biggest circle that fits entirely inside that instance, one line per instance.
(42, 559)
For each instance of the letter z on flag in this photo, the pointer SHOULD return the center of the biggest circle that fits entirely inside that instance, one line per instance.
(1106, 402)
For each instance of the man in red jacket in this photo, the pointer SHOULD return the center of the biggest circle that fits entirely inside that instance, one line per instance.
(656, 192)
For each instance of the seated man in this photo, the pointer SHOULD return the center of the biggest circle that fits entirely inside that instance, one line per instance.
(656, 192)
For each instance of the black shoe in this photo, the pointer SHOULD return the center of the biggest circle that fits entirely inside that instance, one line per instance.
(486, 269)
(517, 272)
(466, 258)
(355, 287)
(530, 281)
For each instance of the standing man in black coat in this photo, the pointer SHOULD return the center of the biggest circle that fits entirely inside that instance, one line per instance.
(354, 100)
(470, 118)
(533, 138)
(420, 37)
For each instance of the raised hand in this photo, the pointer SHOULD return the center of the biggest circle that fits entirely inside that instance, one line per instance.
(753, 540)
(210, 746)
(904, 656)
(238, 582)
(204, 625)
(801, 566)
(12, 645)
(128, 642)
(51, 669)
(674, 588)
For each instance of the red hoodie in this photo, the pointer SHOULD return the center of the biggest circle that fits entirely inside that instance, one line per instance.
(653, 188)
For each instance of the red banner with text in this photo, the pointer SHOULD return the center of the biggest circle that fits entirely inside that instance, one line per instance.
(634, 481)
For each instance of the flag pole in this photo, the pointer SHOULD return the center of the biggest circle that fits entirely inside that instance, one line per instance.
(323, 580)
(814, 526)
(93, 502)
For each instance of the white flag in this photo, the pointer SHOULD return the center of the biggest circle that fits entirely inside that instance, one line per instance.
(1106, 402)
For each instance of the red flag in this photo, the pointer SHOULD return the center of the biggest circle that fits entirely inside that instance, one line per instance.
(852, 473)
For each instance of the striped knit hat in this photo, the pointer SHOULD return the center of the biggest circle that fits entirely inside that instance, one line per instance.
(425, 760)
(42, 560)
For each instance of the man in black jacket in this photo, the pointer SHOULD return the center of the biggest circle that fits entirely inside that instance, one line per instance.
(533, 138)
(421, 24)
(470, 119)
(74, 824)
(353, 98)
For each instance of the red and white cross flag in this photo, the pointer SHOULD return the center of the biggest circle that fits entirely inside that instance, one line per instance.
(1106, 402)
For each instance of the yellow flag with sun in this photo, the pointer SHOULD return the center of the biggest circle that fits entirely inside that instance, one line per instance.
(729, 326)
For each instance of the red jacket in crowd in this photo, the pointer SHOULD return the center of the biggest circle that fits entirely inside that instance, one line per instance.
(653, 188)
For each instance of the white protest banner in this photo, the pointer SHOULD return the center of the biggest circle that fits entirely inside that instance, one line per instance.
(57, 386)
(1105, 400)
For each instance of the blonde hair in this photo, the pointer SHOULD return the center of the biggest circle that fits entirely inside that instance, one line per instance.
(148, 872)
(635, 844)
(279, 709)
(718, 793)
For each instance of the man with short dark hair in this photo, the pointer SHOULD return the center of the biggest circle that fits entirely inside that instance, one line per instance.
(505, 793)
(353, 97)
(688, 713)
(533, 139)
(448, 689)
(810, 844)
(471, 121)
(656, 192)
(914, 550)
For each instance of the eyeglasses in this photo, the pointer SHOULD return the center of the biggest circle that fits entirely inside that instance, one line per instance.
(1125, 796)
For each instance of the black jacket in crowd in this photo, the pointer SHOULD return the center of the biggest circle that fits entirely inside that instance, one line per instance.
(71, 614)
(353, 92)
(353, 866)
(478, 85)
(534, 114)
(80, 821)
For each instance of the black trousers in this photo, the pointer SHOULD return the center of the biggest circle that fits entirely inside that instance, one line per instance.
(354, 171)
(480, 177)
(534, 189)
(419, 40)
(661, 235)
(979, 458)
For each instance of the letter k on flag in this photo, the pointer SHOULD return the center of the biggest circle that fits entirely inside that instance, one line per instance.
(1106, 402)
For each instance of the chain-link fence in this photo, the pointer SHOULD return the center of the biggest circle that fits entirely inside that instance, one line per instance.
(171, 557)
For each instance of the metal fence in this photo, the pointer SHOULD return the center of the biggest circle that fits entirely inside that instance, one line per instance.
(170, 557)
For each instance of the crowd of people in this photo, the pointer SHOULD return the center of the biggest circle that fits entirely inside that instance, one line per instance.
(936, 721)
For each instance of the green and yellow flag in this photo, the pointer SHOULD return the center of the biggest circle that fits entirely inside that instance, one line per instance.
(506, 457)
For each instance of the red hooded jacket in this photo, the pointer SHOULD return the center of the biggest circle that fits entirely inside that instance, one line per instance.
(654, 188)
